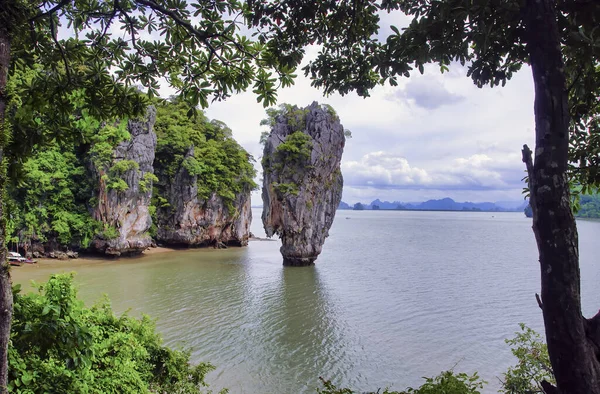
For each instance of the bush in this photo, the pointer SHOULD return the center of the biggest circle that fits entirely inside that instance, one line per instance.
(533, 364)
(58, 345)
(447, 382)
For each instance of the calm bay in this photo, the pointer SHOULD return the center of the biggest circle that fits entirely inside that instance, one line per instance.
(395, 295)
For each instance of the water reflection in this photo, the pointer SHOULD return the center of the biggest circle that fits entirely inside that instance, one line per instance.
(306, 336)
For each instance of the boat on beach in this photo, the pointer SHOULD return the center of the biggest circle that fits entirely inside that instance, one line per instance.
(15, 258)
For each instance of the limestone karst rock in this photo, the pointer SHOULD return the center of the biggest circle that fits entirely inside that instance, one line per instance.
(127, 211)
(302, 180)
(191, 221)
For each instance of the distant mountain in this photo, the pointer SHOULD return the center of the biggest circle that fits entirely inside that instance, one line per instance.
(448, 204)
(518, 205)
(387, 204)
(444, 204)
(343, 205)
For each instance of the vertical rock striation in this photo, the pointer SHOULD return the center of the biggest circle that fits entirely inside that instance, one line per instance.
(190, 221)
(127, 211)
(302, 180)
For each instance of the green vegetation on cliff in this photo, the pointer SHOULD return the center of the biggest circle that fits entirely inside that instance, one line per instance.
(54, 198)
(290, 158)
(220, 163)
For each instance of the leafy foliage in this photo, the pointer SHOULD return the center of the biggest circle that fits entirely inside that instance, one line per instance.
(205, 149)
(52, 196)
(533, 364)
(52, 199)
(58, 345)
(589, 206)
(447, 382)
(196, 47)
(293, 154)
(284, 189)
(294, 117)
(295, 150)
(289, 160)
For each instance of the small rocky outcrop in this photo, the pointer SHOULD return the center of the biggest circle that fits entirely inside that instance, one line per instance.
(190, 221)
(125, 213)
(302, 181)
(51, 248)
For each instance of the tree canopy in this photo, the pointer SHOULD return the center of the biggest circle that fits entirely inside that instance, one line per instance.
(106, 48)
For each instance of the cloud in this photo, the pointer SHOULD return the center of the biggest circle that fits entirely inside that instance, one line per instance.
(428, 93)
(467, 149)
(388, 171)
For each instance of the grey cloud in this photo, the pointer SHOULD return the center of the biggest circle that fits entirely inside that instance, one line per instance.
(384, 170)
(429, 93)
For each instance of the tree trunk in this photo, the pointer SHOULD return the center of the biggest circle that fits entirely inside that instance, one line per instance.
(572, 353)
(5, 283)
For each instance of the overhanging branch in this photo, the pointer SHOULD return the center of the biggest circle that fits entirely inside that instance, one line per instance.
(173, 15)
(51, 10)
(60, 49)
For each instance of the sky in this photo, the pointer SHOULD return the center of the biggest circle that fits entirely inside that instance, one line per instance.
(432, 136)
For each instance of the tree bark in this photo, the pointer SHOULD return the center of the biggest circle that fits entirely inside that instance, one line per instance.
(6, 298)
(572, 354)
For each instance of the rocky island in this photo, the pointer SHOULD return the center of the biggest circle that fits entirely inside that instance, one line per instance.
(124, 191)
(302, 180)
(166, 178)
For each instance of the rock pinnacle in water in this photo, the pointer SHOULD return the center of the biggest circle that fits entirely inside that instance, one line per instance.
(302, 180)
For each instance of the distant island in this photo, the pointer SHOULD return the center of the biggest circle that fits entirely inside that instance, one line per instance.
(444, 204)
(589, 206)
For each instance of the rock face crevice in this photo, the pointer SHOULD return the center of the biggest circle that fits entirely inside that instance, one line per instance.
(301, 191)
(128, 211)
(191, 221)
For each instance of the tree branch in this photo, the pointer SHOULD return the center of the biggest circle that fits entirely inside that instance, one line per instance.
(111, 16)
(529, 165)
(539, 301)
(527, 160)
(50, 11)
(592, 331)
(60, 49)
(548, 388)
(202, 36)
(173, 15)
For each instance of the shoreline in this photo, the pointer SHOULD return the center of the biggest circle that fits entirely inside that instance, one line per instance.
(151, 251)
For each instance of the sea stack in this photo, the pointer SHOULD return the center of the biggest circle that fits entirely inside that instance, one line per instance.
(302, 180)
(188, 220)
(124, 191)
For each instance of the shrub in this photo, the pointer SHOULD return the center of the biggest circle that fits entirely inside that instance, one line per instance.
(447, 382)
(58, 345)
(533, 364)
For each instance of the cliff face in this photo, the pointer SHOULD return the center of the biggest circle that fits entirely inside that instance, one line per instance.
(302, 181)
(190, 221)
(127, 211)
